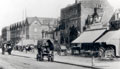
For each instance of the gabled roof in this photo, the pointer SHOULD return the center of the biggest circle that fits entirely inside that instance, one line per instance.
(30, 19)
(46, 21)
(115, 16)
(42, 20)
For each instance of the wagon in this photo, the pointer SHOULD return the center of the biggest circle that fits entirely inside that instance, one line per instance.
(45, 51)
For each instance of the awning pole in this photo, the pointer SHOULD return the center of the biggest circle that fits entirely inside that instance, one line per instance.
(93, 55)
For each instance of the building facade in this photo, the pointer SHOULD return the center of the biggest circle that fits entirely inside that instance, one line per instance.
(32, 28)
(70, 16)
(5, 34)
(115, 20)
(75, 16)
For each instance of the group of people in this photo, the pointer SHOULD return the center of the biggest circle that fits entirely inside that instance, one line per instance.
(26, 48)
(8, 47)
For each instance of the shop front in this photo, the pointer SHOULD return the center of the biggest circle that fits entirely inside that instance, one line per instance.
(88, 41)
(106, 43)
(112, 39)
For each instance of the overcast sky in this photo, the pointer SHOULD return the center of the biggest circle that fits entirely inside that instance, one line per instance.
(12, 11)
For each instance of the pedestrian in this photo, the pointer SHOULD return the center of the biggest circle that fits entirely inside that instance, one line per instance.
(3, 48)
(58, 48)
(39, 47)
(39, 50)
(27, 48)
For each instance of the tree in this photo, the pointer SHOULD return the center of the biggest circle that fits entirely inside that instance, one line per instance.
(73, 33)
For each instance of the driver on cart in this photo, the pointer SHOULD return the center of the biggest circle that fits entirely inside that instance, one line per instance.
(51, 48)
(39, 49)
(45, 48)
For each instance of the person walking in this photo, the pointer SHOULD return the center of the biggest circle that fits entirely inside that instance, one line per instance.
(58, 48)
(39, 48)
(40, 51)
(3, 48)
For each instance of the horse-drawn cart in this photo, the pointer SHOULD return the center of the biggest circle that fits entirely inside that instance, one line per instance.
(44, 50)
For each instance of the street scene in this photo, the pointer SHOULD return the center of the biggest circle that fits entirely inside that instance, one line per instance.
(74, 34)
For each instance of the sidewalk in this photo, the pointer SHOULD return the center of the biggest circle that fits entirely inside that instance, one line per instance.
(77, 61)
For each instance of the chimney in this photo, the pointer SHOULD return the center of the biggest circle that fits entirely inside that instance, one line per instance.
(77, 1)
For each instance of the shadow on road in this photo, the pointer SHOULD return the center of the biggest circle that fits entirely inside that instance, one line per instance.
(20, 56)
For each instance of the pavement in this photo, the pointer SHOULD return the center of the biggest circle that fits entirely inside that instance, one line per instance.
(74, 60)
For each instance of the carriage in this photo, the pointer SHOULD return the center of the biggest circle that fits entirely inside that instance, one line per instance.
(44, 51)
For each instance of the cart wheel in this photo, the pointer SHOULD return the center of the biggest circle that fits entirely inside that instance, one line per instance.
(52, 58)
(3, 53)
(101, 52)
(110, 53)
(37, 57)
(41, 58)
(49, 58)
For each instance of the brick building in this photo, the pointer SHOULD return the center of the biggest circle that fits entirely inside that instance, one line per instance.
(77, 14)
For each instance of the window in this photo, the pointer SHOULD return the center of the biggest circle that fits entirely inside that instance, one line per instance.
(56, 33)
(97, 19)
(35, 29)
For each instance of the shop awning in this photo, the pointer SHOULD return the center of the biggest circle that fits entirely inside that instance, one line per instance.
(89, 36)
(110, 36)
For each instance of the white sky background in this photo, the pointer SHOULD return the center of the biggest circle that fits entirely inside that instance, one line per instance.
(12, 11)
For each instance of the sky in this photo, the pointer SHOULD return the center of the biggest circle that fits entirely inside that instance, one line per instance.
(12, 11)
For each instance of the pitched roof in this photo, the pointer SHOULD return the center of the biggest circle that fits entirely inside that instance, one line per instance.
(31, 19)
(46, 21)
(42, 20)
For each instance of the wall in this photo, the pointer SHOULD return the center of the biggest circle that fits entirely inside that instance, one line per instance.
(84, 14)
(35, 31)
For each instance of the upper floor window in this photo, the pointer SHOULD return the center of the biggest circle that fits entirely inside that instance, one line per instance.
(35, 30)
